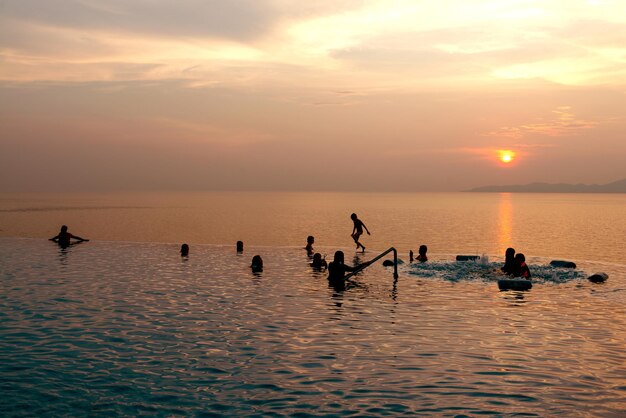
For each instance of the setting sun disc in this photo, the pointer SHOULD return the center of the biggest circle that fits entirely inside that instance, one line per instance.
(506, 156)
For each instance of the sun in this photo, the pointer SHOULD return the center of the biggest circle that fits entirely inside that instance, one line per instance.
(506, 156)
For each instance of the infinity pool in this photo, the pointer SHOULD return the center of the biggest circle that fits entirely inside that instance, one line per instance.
(110, 328)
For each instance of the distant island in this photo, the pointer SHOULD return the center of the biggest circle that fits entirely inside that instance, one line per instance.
(614, 187)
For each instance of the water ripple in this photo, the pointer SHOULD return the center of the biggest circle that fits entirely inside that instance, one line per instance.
(108, 329)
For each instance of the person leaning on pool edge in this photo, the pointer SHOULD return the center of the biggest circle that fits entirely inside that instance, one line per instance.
(64, 238)
(337, 269)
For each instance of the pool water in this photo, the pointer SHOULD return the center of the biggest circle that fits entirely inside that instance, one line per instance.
(118, 328)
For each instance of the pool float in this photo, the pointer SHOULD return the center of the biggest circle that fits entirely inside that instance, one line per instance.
(514, 284)
(389, 263)
(598, 278)
(563, 263)
(467, 257)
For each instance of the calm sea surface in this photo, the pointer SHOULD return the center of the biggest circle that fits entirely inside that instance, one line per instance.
(123, 326)
(572, 226)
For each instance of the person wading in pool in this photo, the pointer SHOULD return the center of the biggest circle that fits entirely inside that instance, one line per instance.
(310, 240)
(64, 238)
(521, 269)
(318, 262)
(422, 258)
(257, 264)
(337, 270)
(357, 231)
(509, 262)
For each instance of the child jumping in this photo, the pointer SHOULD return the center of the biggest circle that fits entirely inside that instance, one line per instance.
(357, 231)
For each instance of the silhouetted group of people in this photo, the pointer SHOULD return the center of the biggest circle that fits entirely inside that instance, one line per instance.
(337, 268)
(515, 264)
(317, 261)
(256, 265)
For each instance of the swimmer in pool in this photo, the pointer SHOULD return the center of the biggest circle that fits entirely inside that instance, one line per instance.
(521, 269)
(257, 264)
(421, 254)
(509, 261)
(64, 238)
(337, 269)
(318, 262)
(357, 231)
(310, 240)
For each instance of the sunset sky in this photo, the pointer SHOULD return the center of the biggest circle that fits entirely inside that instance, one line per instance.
(360, 95)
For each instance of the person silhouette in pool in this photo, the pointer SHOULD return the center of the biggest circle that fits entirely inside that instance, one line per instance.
(318, 262)
(357, 231)
(337, 270)
(310, 240)
(509, 262)
(257, 264)
(422, 258)
(64, 238)
(521, 269)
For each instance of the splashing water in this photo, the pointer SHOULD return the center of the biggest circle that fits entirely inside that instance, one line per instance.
(483, 270)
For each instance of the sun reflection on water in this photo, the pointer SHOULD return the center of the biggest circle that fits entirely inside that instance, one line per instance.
(505, 221)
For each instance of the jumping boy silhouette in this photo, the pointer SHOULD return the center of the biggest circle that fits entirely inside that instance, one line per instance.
(357, 231)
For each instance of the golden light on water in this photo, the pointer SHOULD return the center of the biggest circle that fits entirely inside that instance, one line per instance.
(505, 222)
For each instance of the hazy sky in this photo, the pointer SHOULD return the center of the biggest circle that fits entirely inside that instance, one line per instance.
(310, 95)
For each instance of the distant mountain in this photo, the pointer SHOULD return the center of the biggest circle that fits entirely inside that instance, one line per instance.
(615, 187)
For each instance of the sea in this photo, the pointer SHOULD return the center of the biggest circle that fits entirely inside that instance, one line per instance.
(122, 325)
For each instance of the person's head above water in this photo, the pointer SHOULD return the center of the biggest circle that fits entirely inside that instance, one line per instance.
(184, 250)
(318, 261)
(509, 261)
(519, 258)
(239, 246)
(63, 237)
(338, 257)
(310, 239)
(422, 250)
(257, 263)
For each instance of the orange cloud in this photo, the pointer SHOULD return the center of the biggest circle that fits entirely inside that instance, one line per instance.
(563, 123)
